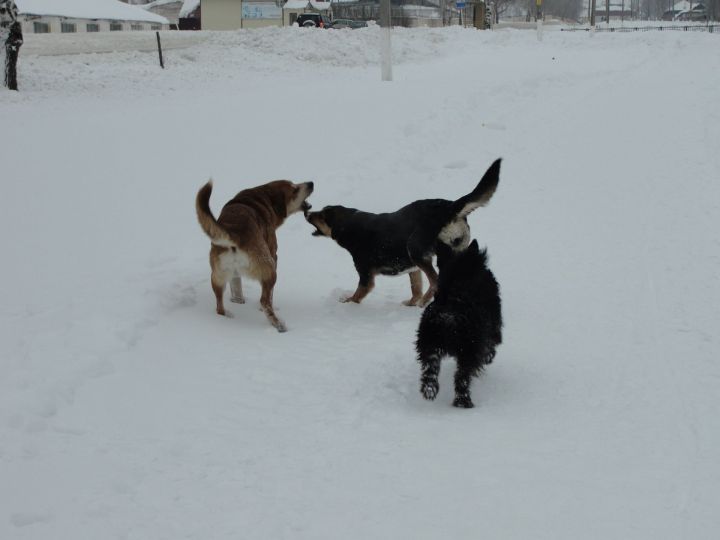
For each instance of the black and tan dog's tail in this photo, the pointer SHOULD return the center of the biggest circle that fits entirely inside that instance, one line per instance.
(209, 224)
(482, 194)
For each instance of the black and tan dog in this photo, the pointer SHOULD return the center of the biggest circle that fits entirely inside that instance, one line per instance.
(243, 238)
(403, 241)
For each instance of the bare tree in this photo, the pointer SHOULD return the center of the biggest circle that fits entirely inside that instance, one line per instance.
(713, 9)
(10, 41)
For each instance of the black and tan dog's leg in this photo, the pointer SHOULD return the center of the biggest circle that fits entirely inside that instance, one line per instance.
(236, 291)
(416, 283)
(365, 285)
(266, 302)
(419, 256)
(427, 267)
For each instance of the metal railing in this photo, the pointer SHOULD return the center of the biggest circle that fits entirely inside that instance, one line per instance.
(711, 28)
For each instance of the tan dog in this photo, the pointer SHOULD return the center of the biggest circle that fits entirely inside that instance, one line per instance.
(243, 238)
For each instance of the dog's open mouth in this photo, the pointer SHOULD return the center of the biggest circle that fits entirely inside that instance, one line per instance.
(305, 207)
(309, 218)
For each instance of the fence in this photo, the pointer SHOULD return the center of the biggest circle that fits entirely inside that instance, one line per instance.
(414, 14)
(400, 15)
(710, 28)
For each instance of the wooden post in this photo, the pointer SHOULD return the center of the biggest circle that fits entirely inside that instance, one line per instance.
(162, 64)
(385, 41)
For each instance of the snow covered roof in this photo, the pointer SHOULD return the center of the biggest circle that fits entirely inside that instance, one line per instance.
(88, 9)
(188, 7)
(684, 5)
(306, 4)
(156, 3)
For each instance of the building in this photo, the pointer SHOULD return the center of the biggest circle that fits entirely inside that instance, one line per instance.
(236, 14)
(181, 14)
(69, 16)
(619, 10)
(686, 11)
(191, 15)
(170, 9)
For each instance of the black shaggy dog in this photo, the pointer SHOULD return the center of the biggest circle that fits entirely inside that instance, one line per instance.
(463, 321)
(403, 241)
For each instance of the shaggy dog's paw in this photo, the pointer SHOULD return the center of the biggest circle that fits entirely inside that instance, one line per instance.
(464, 402)
(349, 300)
(429, 389)
(487, 358)
(239, 300)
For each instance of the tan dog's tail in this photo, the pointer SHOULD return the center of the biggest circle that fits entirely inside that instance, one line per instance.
(209, 224)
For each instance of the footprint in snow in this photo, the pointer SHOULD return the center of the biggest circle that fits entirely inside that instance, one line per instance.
(459, 164)
(23, 519)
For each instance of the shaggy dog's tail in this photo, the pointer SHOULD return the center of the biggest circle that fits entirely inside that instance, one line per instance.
(209, 224)
(482, 194)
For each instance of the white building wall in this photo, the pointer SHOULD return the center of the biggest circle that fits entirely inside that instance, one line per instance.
(221, 14)
(228, 14)
(55, 23)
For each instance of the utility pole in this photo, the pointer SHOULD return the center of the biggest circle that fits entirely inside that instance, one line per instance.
(539, 19)
(592, 14)
(385, 41)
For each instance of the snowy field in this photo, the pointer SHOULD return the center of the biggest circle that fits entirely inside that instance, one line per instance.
(130, 410)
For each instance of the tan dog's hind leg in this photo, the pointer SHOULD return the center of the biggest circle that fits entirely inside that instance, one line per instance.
(266, 302)
(236, 290)
(218, 280)
(416, 283)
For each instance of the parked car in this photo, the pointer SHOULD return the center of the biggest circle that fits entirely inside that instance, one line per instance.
(347, 23)
(309, 20)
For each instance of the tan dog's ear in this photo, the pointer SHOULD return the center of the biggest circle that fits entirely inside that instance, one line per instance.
(279, 202)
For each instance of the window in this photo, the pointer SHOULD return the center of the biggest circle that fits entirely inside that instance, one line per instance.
(136, 27)
(92, 27)
(155, 27)
(115, 26)
(41, 28)
(68, 28)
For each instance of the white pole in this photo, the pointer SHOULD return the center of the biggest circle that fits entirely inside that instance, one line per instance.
(385, 42)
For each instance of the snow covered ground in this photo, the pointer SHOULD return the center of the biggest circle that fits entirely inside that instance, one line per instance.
(129, 410)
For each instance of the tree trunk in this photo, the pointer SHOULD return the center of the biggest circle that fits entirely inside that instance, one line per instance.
(10, 41)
